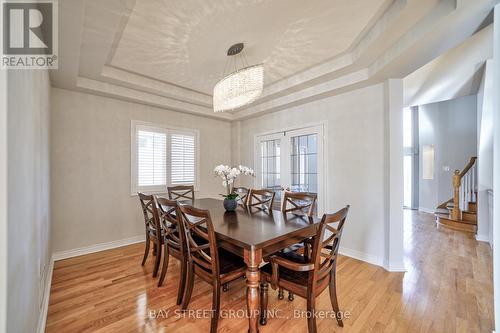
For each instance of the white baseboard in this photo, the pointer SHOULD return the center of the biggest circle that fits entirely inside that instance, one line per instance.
(426, 210)
(483, 238)
(395, 267)
(371, 259)
(97, 248)
(42, 318)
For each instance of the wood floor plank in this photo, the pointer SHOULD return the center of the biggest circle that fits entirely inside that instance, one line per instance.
(447, 288)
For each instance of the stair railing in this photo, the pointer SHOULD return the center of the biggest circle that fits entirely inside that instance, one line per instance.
(464, 188)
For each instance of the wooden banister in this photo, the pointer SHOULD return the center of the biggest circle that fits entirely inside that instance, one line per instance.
(457, 182)
(469, 165)
(455, 212)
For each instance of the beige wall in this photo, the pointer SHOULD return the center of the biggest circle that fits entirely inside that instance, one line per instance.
(356, 148)
(28, 226)
(90, 153)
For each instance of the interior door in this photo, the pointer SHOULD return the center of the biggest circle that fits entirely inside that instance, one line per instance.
(292, 160)
(268, 164)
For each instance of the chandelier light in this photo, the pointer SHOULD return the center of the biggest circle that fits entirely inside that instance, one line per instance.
(240, 87)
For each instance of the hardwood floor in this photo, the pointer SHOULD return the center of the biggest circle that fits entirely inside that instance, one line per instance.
(447, 288)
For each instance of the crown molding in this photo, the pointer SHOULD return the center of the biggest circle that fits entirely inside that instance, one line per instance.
(109, 89)
(140, 82)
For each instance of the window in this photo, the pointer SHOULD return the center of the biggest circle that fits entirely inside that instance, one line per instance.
(162, 157)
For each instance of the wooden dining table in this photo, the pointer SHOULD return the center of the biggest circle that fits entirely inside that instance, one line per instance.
(254, 234)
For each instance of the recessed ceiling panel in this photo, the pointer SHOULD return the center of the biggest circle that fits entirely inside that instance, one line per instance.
(184, 42)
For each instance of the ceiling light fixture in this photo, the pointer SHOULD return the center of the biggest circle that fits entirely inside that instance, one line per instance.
(240, 87)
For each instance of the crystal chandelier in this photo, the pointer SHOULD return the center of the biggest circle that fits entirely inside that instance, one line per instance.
(240, 87)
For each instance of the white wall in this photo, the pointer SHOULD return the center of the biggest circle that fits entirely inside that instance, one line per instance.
(90, 154)
(356, 174)
(453, 74)
(3, 201)
(28, 227)
(451, 127)
(485, 153)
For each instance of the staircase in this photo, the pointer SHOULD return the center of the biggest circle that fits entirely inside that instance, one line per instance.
(460, 212)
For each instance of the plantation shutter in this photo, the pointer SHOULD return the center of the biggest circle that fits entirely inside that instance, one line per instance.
(183, 158)
(151, 157)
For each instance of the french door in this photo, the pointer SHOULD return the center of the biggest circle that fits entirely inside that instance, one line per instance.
(292, 160)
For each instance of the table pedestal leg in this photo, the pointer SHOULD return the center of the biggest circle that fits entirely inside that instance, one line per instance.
(252, 259)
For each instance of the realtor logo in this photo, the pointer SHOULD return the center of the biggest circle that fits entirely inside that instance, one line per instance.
(29, 34)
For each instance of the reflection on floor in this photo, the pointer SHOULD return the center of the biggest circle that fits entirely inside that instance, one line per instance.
(447, 288)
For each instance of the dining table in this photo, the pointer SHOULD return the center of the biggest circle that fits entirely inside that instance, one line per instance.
(255, 233)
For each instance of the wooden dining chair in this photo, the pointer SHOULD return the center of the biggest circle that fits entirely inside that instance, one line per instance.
(242, 195)
(263, 198)
(308, 277)
(153, 229)
(173, 242)
(302, 203)
(213, 265)
(181, 192)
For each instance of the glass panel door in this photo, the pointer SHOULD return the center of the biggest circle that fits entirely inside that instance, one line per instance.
(304, 163)
(292, 161)
(270, 165)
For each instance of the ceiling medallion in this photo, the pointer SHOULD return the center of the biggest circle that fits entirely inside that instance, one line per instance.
(242, 85)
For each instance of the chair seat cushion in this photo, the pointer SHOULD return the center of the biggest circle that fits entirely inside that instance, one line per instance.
(299, 246)
(299, 278)
(152, 231)
(229, 262)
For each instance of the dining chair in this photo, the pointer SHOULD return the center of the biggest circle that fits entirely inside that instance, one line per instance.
(181, 192)
(263, 197)
(242, 195)
(173, 242)
(300, 203)
(213, 265)
(308, 277)
(153, 229)
(297, 202)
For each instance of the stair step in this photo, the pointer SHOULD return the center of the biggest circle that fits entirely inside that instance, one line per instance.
(469, 216)
(473, 207)
(442, 211)
(446, 221)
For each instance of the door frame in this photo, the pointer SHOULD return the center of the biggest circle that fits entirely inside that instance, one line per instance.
(3, 198)
(323, 189)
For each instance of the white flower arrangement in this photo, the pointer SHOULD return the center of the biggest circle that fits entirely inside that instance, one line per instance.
(229, 175)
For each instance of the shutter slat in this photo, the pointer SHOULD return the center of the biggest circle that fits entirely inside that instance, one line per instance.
(151, 158)
(182, 158)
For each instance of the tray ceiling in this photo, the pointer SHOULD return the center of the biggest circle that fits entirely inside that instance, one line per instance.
(170, 53)
(185, 42)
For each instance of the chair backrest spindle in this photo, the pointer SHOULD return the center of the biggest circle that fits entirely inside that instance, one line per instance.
(326, 245)
(181, 192)
(297, 202)
(201, 244)
(150, 211)
(263, 197)
(172, 230)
